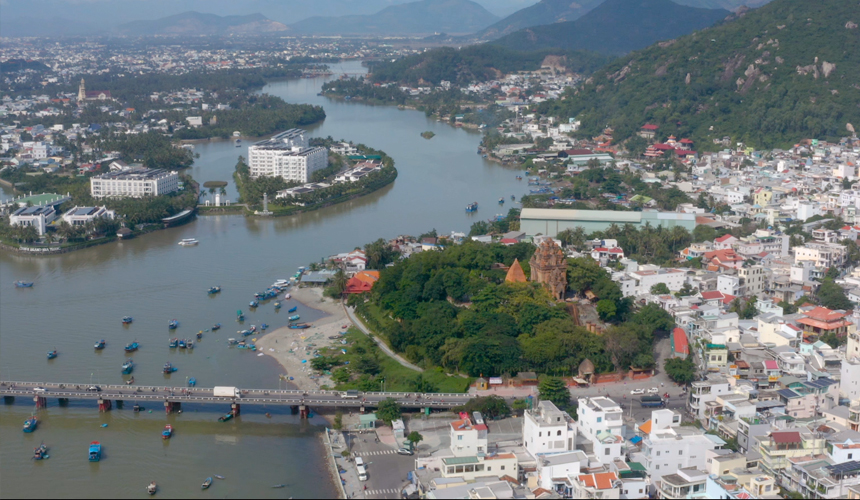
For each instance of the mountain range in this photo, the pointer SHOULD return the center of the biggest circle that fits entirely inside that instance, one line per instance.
(196, 23)
(617, 27)
(421, 17)
(774, 75)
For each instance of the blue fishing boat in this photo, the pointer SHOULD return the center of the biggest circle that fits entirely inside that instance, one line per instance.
(240, 317)
(232, 341)
(300, 326)
(264, 326)
(30, 424)
(40, 452)
(167, 432)
(127, 367)
(182, 343)
(501, 201)
(253, 328)
(52, 354)
(23, 284)
(225, 417)
(206, 484)
(253, 303)
(293, 309)
(132, 347)
(192, 382)
(172, 324)
(294, 318)
(169, 368)
(95, 451)
(245, 333)
(200, 335)
(213, 290)
(127, 320)
(174, 343)
(471, 207)
(513, 197)
(216, 326)
(277, 305)
(100, 345)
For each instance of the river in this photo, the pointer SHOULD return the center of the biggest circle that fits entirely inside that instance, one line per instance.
(80, 298)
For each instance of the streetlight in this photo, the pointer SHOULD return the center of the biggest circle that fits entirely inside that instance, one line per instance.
(383, 385)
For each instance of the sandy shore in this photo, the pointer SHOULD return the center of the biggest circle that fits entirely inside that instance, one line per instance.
(291, 346)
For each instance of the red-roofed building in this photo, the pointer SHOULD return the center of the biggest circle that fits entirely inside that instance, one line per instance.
(601, 253)
(468, 440)
(680, 346)
(725, 242)
(600, 485)
(718, 259)
(821, 320)
(648, 131)
(362, 282)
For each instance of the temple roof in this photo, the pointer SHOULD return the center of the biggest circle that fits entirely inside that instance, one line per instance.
(515, 273)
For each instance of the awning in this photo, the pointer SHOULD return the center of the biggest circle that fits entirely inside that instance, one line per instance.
(635, 439)
(580, 381)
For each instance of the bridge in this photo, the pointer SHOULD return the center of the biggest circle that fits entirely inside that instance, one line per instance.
(173, 397)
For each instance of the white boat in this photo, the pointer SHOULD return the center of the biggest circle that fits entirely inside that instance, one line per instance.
(188, 242)
(288, 296)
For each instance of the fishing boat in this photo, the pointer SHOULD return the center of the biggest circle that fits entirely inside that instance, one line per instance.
(137, 408)
(127, 367)
(264, 326)
(240, 317)
(173, 343)
(225, 417)
(100, 345)
(254, 303)
(40, 452)
(277, 305)
(129, 381)
(279, 486)
(501, 201)
(288, 296)
(216, 326)
(218, 477)
(245, 333)
(189, 344)
(200, 335)
(300, 326)
(188, 242)
(30, 424)
(513, 197)
(519, 177)
(182, 343)
(293, 309)
(192, 382)
(253, 328)
(294, 317)
(95, 451)
(169, 368)
(23, 284)
(232, 341)
(127, 320)
(152, 488)
(214, 289)
(167, 432)
(52, 354)
(471, 207)
(207, 483)
(172, 324)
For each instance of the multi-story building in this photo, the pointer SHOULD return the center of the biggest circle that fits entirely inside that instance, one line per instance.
(779, 447)
(668, 450)
(38, 217)
(134, 183)
(546, 429)
(821, 321)
(600, 421)
(849, 378)
(752, 280)
(79, 216)
(286, 155)
(704, 391)
(821, 254)
(688, 482)
(604, 485)
(468, 439)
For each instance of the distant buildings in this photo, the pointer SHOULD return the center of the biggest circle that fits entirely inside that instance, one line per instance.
(134, 183)
(549, 222)
(286, 155)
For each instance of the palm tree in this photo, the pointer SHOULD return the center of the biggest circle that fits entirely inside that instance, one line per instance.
(339, 281)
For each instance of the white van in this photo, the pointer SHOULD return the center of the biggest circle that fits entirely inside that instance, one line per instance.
(359, 462)
(362, 473)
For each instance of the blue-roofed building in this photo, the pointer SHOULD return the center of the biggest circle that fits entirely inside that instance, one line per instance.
(79, 216)
(38, 217)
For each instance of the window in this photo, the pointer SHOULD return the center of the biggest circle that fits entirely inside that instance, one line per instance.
(606, 451)
(850, 455)
(460, 437)
(559, 434)
(489, 468)
(680, 452)
(540, 434)
(658, 453)
(599, 419)
(503, 467)
(657, 467)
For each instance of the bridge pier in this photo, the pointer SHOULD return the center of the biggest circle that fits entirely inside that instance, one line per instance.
(119, 403)
(8, 399)
(235, 409)
(303, 411)
(168, 407)
(63, 401)
(41, 402)
(361, 410)
(104, 405)
(294, 409)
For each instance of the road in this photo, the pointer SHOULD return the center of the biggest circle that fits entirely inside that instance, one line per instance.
(246, 396)
(386, 470)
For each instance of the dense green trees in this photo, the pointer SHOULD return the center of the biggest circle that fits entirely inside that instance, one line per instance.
(388, 411)
(680, 370)
(489, 406)
(831, 296)
(555, 390)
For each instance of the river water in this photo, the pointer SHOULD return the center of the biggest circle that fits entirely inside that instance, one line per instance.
(80, 298)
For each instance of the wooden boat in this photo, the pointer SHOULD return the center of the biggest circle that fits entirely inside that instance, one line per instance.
(216, 326)
(214, 290)
(218, 477)
(127, 367)
(23, 284)
(152, 488)
(169, 368)
(207, 483)
(172, 324)
(240, 317)
(513, 197)
(253, 303)
(95, 451)
(232, 341)
(192, 382)
(40, 452)
(279, 486)
(293, 309)
(129, 381)
(52, 354)
(300, 326)
(127, 320)
(100, 345)
(288, 296)
(137, 408)
(189, 344)
(200, 335)
(264, 326)
(30, 424)
(294, 317)
(277, 305)
(167, 432)
(501, 201)
(225, 417)
(173, 343)
(182, 344)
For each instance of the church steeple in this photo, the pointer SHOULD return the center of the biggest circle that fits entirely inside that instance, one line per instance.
(82, 92)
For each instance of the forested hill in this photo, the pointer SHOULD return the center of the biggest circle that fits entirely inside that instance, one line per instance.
(543, 12)
(476, 63)
(783, 72)
(617, 27)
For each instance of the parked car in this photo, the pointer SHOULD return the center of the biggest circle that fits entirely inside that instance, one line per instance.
(637, 391)
(653, 390)
(404, 451)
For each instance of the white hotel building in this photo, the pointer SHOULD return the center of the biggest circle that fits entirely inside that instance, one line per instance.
(134, 183)
(286, 155)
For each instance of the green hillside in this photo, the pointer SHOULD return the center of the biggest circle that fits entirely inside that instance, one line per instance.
(617, 27)
(476, 63)
(785, 71)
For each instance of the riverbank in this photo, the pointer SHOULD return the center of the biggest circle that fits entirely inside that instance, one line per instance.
(293, 348)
